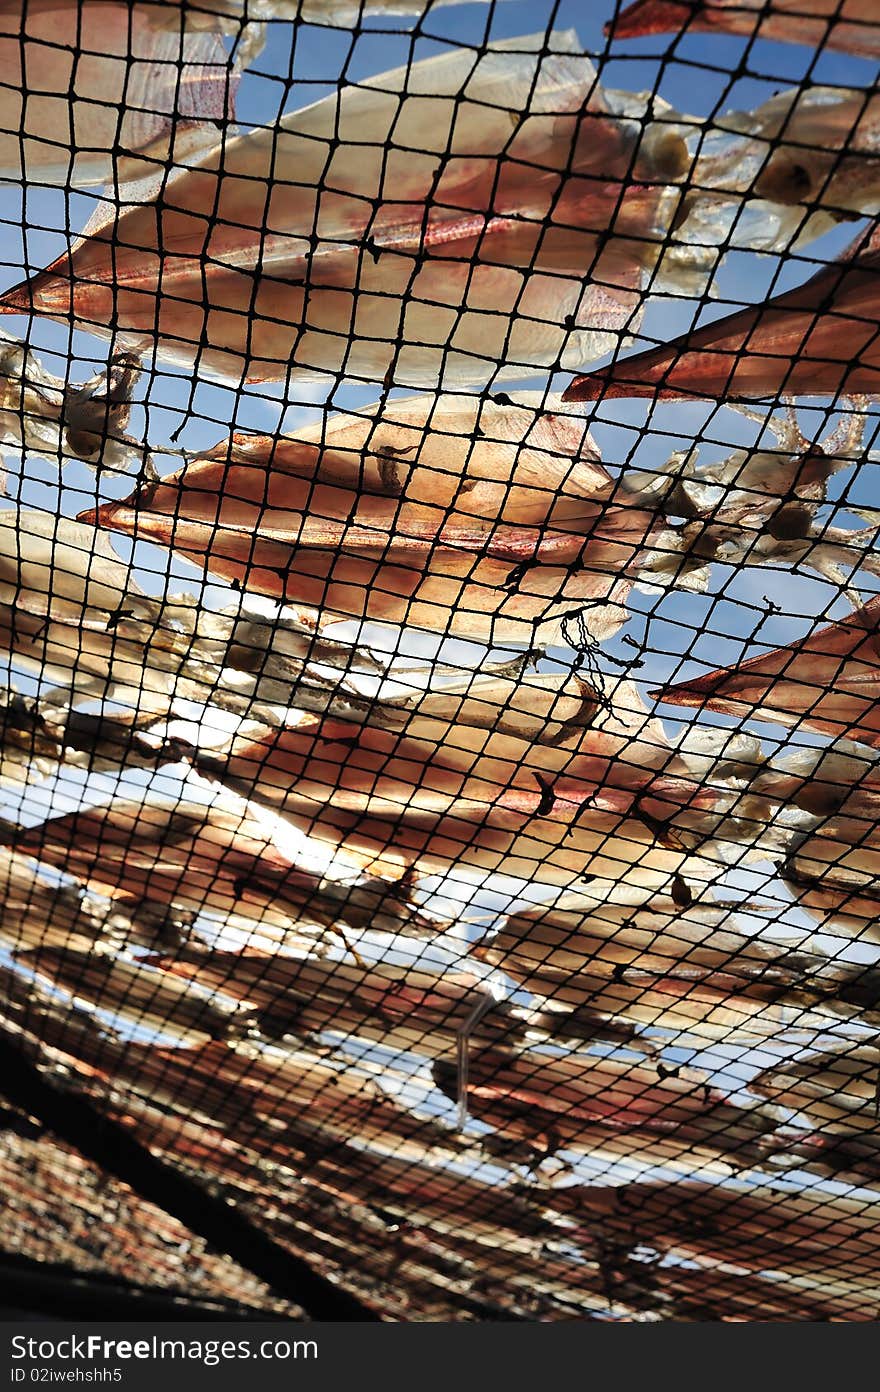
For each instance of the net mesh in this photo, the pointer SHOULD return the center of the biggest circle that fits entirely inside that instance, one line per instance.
(66, 1217)
(438, 591)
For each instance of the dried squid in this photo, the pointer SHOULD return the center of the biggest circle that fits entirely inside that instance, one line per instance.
(418, 239)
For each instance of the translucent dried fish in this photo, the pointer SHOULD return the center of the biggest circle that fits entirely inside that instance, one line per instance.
(340, 1188)
(134, 993)
(148, 660)
(756, 1227)
(833, 870)
(618, 800)
(86, 660)
(54, 566)
(72, 612)
(849, 25)
(828, 681)
(691, 970)
(596, 1104)
(486, 520)
(237, 16)
(313, 1098)
(834, 1089)
(831, 850)
(270, 1105)
(37, 913)
(96, 92)
(418, 1009)
(820, 339)
(35, 741)
(616, 756)
(45, 1024)
(614, 852)
(430, 188)
(263, 1099)
(705, 1295)
(408, 495)
(472, 518)
(515, 703)
(96, 415)
(213, 860)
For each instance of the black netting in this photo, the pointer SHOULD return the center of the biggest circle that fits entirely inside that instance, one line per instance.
(75, 1240)
(439, 591)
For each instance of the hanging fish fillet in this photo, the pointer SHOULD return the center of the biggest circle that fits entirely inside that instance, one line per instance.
(617, 853)
(419, 1010)
(834, 1090)
(215, 861)
(615, 759)
(228, 16)
(152, 652)
(820, 339)
(688, 969)
(832, 856)
(414, 1213)
(39, 914)
(514, 703)
(474, 519)
(95, 93)
(621, 803)
(837, 1095)
(268, 1106)
(89, 660)
(272, 1102)
(296, 1093)
(486, 520)
(138, 995)
(420, 228)
(821, 807)
(51, 565)
(758, 1228)
(285, 1123)
(588, 1104)
(848, 25)
(728, 1296)
(440, 1197)
(71, 611)
(828, 681)
(62, 588)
